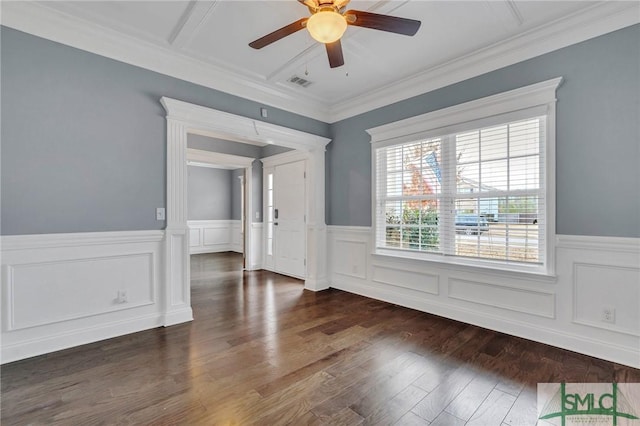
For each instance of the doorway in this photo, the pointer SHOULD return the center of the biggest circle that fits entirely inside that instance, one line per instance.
(183, 118)
(216, 193)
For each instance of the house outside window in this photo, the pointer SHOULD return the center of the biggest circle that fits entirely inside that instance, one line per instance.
(473, 184)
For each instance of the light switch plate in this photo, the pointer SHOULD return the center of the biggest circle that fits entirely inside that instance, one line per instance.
(160, 213)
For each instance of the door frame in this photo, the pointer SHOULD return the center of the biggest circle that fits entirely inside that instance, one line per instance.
(183, 118)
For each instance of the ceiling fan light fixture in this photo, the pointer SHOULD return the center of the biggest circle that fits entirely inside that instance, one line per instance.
(326, 26)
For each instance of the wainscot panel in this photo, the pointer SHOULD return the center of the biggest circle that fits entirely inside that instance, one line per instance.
(236, 236)
(511, 298)
(195, 237)
(63, 290)
(604, 275)
(351, 258)
(600, 287)
(43, 293)
(217, 236)
(256, 241)
(214, 236)
(400, 277)
(591, 306)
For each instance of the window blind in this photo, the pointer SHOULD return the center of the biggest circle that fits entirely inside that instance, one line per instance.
(476, 193)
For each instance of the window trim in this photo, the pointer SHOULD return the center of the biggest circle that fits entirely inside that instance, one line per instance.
(539, 96)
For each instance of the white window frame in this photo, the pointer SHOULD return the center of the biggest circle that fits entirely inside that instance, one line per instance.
(539, 98)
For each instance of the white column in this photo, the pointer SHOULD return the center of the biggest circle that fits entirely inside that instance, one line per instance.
(316, 279)
(249, 238)
(177, 288)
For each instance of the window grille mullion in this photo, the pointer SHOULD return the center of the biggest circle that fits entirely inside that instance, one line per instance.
(447, 205)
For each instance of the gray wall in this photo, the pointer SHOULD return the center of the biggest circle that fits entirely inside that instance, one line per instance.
(83, 137)
(269, 150)
(597, 135)
(209, 193)
(245, 150)
(235, 148)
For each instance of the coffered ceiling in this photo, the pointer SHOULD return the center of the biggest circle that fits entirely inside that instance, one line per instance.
(207, 42)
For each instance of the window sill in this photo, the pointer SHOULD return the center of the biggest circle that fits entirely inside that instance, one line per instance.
(519, 271)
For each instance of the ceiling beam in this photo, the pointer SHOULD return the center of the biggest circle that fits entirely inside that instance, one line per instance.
(507, 12)
(191, 22)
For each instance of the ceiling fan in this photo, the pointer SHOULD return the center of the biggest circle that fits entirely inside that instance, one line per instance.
(328, 22)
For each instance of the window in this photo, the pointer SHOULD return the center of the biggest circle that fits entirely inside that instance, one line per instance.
(471, 184)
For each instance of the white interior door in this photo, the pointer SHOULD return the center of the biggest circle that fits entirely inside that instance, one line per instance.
(289, 242)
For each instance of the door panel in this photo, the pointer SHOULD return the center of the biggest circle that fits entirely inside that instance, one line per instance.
(289, 233)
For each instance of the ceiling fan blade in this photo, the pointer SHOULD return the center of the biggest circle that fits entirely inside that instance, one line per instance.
(278, 34)
(392, 24)
(334, 51)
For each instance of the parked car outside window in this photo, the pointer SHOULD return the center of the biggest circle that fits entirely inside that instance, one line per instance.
(471, 224)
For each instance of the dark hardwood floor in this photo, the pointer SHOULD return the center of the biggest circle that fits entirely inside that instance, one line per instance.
(261, 350)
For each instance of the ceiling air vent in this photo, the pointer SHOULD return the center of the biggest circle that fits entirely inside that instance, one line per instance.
(300, 81)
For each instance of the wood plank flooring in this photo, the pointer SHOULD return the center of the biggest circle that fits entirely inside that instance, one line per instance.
(264, 351)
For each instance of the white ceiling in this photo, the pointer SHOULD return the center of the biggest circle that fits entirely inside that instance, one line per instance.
(207, 42)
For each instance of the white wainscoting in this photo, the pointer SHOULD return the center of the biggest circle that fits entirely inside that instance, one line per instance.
(236, 236)
(256, 241)
(213, 236)
(593, 273)
(63, 290)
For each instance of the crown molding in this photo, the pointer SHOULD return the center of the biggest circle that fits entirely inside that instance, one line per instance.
(45, 22)
(42, 21)
(602, 18)
(523, 98)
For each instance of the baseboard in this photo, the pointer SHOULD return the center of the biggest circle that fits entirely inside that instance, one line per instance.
(178, 317)
(254, 267)
(211, 249)
(576, 343)
(316, 284)
(592, 273)
(69, 339)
